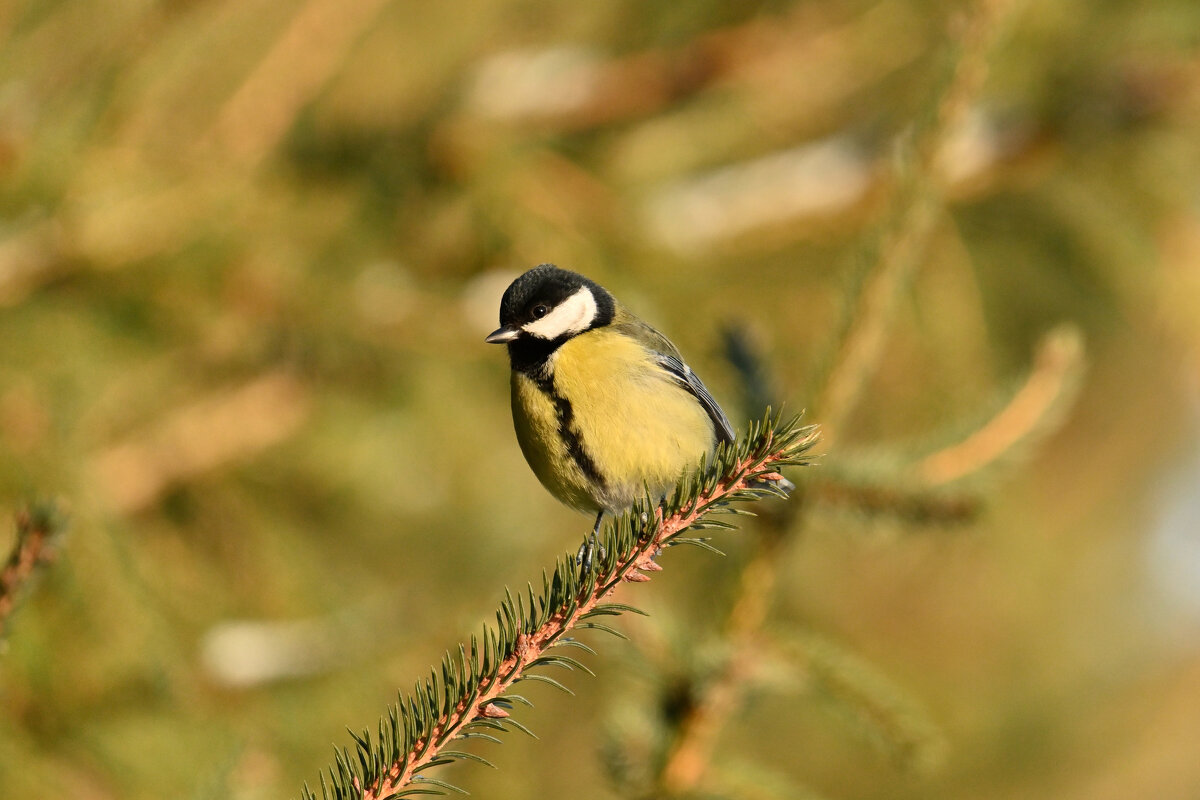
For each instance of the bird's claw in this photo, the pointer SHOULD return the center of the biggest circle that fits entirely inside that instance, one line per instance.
(587, 551)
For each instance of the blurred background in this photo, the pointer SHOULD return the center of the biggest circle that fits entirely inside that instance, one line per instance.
(249, 250)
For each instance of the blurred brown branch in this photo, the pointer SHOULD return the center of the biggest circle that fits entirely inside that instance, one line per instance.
(917, 506)
(695, 737)
(310, 50)
(918, 201)
(28, 259)
(36, 531)
(222, 427)
(531, 645)
(802, 54)
(1047, 388)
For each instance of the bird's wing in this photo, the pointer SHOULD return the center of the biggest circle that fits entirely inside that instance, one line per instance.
(683, 375)
(669, 358)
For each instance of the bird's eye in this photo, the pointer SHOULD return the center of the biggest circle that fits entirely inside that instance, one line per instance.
(540, 310)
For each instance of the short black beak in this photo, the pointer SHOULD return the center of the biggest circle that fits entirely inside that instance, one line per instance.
(502, 335)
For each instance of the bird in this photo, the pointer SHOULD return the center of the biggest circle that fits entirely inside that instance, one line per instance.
(604, 406)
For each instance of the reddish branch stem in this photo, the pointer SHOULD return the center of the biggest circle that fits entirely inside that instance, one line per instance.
(31, 550)
(532, 646)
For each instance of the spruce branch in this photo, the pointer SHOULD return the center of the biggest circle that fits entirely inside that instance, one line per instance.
(920, 505)
(38, 528)
(919, 183)
(696, 732)
(469, 696)
(878, 709)
(920, 180)
(1034, 409)
(712, 701)
(942, 487)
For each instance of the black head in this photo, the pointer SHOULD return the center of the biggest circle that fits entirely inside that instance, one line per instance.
(544, 308)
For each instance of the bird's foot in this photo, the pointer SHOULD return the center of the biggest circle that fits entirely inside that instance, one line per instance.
(587, 552)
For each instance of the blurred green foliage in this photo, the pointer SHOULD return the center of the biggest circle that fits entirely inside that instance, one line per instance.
(248, 253)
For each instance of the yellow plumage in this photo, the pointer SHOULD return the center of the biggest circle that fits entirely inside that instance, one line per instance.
(639, 429)
(605, 408)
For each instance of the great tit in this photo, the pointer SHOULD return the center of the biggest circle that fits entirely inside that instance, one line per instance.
(604, 406)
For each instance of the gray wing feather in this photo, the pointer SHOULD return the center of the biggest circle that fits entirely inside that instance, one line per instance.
(667, 355)
(683, 375)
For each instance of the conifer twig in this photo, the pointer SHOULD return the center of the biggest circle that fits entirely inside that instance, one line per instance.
(690, 752)
(918, 201)
(37, 529)
(879, 710)
(917, 505)
(469, 696)
(1032, 408)
(312, 47)
(226, 425)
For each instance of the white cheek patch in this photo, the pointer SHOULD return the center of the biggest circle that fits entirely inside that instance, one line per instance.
(572, 315)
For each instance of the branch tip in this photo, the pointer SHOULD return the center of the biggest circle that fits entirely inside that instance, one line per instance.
(469, 691)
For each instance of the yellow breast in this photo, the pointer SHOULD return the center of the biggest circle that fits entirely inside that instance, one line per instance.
(609, 424)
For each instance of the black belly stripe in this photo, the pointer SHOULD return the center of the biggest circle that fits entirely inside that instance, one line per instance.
(567, 432)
